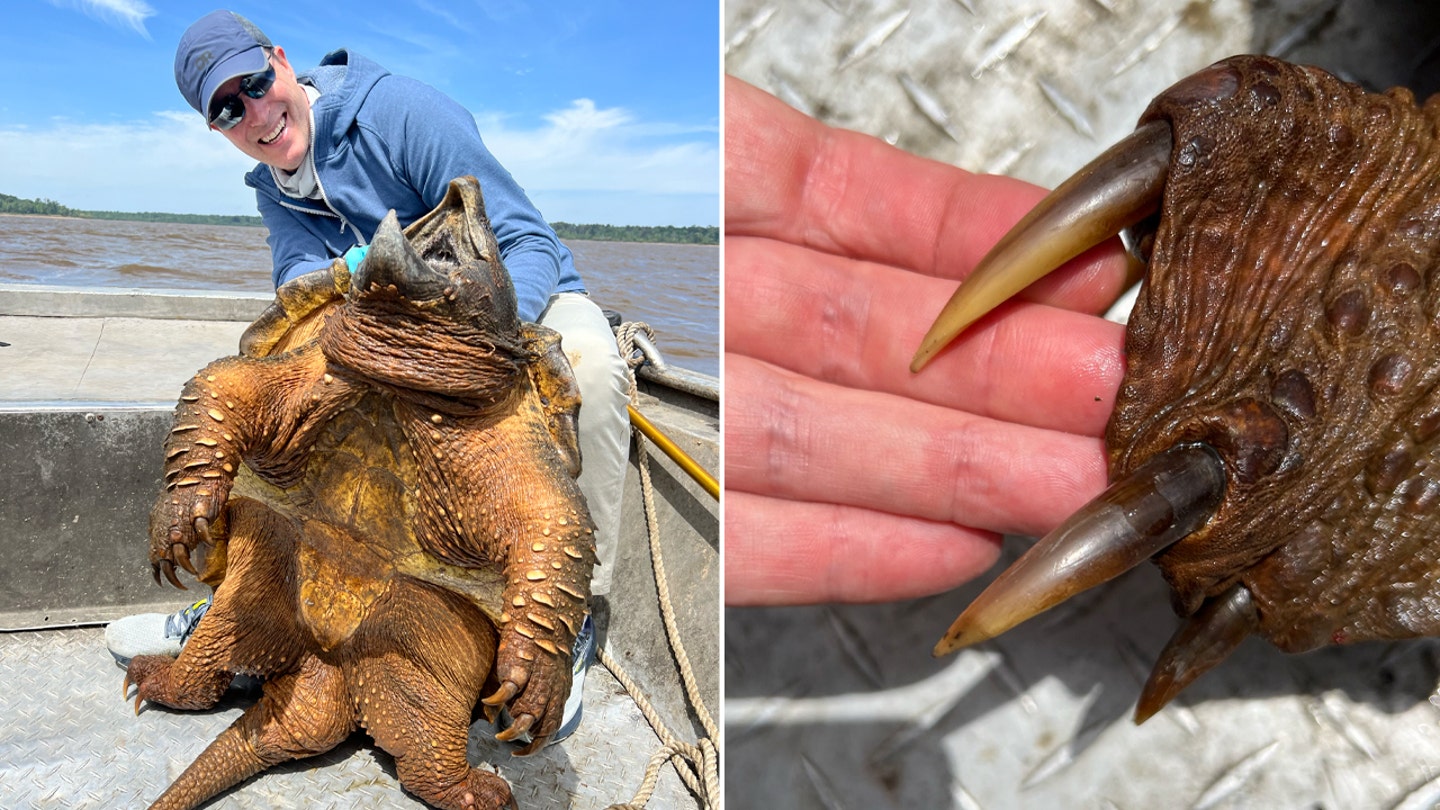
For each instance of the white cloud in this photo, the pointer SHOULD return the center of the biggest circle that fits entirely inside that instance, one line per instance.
(169, 162)
(126, 13)
(585, 148)
(582, 164)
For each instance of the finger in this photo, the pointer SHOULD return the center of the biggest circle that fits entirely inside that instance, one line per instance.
(792, 178)
(857, 324)
(805, 440)
(781, 552)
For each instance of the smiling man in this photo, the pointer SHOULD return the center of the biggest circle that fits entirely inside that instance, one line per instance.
(338, 147)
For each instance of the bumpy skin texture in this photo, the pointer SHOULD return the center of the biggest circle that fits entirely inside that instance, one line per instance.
(381, 489)
(1287, 319)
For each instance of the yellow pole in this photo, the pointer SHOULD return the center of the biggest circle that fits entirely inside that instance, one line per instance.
(677, 455)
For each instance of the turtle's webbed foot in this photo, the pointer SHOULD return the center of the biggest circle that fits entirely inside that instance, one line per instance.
(1270, 442)
(185, 518)
(158, 679)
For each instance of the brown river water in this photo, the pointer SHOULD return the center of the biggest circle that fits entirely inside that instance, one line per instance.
(674, 288)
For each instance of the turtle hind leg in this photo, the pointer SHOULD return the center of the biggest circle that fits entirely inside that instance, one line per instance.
(418, 706)
(463, 788)
(294, 719)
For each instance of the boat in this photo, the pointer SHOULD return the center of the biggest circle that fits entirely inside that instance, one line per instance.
(90, 381)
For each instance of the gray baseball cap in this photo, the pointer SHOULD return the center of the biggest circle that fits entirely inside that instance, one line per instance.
(217, 48)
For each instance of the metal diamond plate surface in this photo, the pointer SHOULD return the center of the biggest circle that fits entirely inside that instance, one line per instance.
(69, 740)
(842, 706)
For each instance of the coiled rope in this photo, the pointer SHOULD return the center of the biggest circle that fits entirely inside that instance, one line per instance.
(698, 763)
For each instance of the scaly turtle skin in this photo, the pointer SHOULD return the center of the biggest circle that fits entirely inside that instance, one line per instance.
(1276, 440)
(381, 490)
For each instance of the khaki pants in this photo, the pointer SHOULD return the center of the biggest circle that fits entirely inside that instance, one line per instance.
(604, 424)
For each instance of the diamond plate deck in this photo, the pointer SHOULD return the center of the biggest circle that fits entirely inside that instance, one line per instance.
(69, 740)
(842, 706)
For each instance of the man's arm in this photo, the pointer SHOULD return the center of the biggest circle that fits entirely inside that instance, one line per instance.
(294, 248)
(439, 142)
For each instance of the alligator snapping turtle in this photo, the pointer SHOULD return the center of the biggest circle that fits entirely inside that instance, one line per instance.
(1275, 445)
(381, 490)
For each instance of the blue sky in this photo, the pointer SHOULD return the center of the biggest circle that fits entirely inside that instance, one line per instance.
(605, 110)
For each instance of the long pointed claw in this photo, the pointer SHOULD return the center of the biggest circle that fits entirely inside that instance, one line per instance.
(1115, 191)
(521, 725)
(138, 701)
(1203, 641)
(168, 568)
(535, 745)
(182, 556)
(502, 695)
(202, 528)
(125, 687)
(1164, 499)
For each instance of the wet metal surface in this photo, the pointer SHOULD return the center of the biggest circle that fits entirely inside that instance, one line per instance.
(842, 706)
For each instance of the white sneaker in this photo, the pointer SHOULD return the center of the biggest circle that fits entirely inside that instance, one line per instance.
(153, 633)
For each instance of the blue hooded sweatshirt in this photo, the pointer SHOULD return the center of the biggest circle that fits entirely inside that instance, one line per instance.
(383, 141)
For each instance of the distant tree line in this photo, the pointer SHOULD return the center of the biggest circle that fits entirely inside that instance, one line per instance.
(686, 235)
(184, 219)
(15, 205)
(10, 204)
(672, 234)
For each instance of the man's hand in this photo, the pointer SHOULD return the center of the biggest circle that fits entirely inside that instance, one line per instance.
(848, 478)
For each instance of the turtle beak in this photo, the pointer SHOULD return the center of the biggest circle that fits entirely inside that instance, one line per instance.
(392, 261)
(1118, 189)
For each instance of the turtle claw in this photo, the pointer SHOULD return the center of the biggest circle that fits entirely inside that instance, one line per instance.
(1153, 507)
(520, 727)
(535, 745)
(202, 528)
(182, 556)
(1116, 190)
(1202, 642)
(168, 569)
(503, 695)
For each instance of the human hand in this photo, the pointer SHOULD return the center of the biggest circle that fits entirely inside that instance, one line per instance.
(848, 477)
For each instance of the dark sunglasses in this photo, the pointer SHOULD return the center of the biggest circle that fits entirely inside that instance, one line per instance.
(226, 112)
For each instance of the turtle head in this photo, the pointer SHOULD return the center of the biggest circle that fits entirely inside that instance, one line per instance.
(431, 309)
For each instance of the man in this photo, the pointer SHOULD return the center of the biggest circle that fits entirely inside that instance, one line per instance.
(338, 147)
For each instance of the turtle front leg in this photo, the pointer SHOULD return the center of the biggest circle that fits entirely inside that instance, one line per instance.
(546, 595)
(202, 453)
(262, 412)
